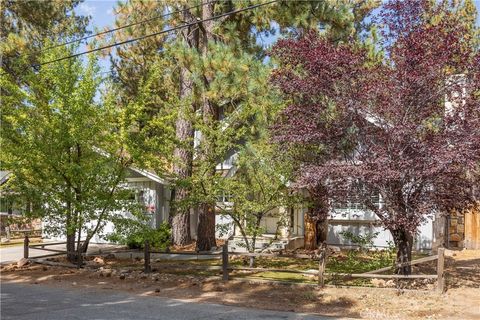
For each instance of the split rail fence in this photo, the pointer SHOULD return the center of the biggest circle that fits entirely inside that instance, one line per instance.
(322, 261)
(226, 268)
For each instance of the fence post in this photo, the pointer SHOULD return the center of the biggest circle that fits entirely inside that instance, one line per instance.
(26, 241)
(440, 268)
(147, 268)
(321, 265)
(225, 261)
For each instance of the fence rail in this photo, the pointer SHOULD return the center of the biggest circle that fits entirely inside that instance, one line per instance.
(322, 261)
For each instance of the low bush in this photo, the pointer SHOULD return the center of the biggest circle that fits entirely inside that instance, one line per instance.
(135, 234)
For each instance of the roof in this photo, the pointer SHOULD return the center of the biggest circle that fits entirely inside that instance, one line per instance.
(150, 175)
(4, 175)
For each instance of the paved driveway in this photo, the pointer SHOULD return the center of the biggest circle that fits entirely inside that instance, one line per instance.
(11, 254)
(20, 301)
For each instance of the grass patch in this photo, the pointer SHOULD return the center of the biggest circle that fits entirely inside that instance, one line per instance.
(341, 262)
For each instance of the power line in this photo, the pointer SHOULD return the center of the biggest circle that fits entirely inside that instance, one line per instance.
(123, 27)
(155, 33)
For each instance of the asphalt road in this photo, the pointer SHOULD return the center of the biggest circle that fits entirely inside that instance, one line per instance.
(37, 302)
(10, 254)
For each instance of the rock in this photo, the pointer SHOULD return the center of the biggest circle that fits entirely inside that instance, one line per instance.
(380, 283)
(98, 260)
(157, 290)
(334, 248)
(390, 284)
(125, 271)
(122, 277)
(44, 268)
(74, 283)
(22, 262)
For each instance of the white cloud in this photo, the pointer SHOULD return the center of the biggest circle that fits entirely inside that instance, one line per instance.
(111, 12)
(87, 9)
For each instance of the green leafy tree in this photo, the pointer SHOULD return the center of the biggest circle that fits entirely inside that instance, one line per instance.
(63, 148)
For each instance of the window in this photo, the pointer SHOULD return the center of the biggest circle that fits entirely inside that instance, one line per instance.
(224, 197)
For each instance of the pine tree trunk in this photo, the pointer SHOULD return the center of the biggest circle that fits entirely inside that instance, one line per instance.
(206, 228)
(206, 217)
(404, 244)
(310, 237)
(183, 155)
(182, 167)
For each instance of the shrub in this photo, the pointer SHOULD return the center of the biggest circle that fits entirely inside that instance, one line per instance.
(134, 235)
(363, 241)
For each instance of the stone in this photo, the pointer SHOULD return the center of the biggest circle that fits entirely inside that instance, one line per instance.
(157, 290)
(122, 277)
(334, 248)
(109, 256)
(44, 268)
(380, 283)
(98, 260)
(22, 262)
(390, 283)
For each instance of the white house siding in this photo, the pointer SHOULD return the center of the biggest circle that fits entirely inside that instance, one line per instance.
(361, 222)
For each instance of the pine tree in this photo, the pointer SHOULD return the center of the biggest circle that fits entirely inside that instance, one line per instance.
(200, 53)
(25, 25)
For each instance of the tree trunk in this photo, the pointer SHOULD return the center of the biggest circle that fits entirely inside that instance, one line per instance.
(206, 228)
(206, 216)
(310, 237)
(183, 154)
(404, 244)
(71, 256)
(181, 228)
(322, 231)
(70, 232)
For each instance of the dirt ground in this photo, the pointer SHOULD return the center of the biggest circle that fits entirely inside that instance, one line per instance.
(461, 301)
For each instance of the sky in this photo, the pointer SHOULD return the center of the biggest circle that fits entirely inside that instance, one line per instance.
(103, 15)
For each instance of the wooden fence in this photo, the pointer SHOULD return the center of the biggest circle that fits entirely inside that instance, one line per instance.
(55, 252)
(322, 261)
(226, 268)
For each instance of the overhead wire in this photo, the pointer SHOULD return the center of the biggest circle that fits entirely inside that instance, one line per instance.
(123, 27)
(35, 66)
(155, 33)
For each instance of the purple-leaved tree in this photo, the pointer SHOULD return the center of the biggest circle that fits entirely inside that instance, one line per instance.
(406, 128)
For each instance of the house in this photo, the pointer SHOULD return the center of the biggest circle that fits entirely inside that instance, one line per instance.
(149, 189)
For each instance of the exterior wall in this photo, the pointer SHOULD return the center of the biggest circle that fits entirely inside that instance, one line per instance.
(363, 222)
